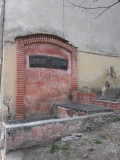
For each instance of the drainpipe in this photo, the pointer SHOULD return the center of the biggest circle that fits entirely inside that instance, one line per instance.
(2, 16)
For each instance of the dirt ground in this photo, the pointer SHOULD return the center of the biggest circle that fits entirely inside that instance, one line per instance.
(93, 145)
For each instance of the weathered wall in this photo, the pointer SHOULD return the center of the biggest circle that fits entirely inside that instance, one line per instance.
(9, 79)
(74, 24)
(97, 72)
(35, 133)
(45, 86)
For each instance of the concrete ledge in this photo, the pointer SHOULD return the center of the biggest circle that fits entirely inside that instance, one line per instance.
(36, 133)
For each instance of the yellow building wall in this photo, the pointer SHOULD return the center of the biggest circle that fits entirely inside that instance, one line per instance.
(9, 79)
(94, 70)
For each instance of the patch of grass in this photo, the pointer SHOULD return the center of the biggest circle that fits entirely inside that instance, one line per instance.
(117, 119)
(57, 140)
(87, 128)
(54, 147)
(97, 142)
(82, 143)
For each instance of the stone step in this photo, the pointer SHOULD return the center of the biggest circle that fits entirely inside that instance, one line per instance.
(87, 108)
(65, 110)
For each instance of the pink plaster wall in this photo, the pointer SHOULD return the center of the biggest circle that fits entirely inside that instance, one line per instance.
(44, 86)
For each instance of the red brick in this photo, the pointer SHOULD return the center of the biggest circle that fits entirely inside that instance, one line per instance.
(20, 61)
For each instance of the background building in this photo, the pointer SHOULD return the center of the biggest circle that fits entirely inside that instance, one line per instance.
(95, 34)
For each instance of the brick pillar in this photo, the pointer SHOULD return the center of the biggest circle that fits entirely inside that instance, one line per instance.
(20, 81)
(74, 80)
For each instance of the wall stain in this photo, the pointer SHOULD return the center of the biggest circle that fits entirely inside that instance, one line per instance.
(107, 85)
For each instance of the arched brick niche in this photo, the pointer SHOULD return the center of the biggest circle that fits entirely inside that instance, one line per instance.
(34, 45)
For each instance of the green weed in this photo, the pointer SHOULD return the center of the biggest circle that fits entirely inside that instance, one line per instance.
(57, 140)
(97, 142)
(118, 119)
(82, 143)
(54, 148)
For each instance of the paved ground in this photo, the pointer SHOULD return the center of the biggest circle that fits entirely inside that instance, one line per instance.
(93, 145)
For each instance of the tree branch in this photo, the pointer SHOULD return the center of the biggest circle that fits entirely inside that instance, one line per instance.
(106, 9)
(83, 2)
(92, 8)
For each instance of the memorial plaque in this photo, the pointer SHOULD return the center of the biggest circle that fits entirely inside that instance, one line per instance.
(48, 62)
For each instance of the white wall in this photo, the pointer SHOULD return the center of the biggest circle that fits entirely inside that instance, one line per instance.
(77, 25)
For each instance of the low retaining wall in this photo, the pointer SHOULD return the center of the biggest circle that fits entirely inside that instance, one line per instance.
(90, 98)
(114, 105)
(31, 134)
(83, 98)
(63, 112)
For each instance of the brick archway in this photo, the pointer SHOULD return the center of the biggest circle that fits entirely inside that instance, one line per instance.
(20, 75)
